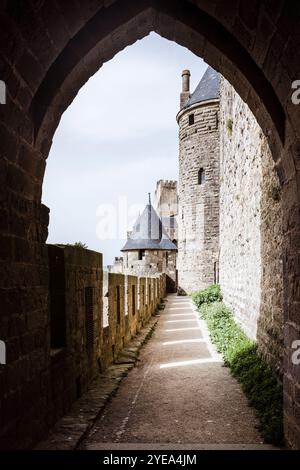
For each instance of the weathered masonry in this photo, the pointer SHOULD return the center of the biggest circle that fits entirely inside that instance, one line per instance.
(75, 323)
(254, 45)
(84, 336)
(250, 256)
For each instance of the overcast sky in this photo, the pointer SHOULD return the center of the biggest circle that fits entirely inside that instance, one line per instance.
(114, 142)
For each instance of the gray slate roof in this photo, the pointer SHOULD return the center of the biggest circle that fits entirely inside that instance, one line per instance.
(148, 233)
(207, 89)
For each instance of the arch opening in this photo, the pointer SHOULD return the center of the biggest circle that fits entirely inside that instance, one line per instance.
(259, 66)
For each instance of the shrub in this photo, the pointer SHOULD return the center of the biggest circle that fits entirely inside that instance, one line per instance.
(240, 354)
(208, 295)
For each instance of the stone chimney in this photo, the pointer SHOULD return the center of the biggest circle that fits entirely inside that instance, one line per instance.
(185, 94)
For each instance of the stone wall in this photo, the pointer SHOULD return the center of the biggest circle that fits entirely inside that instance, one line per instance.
(116, 312)
(270, 327)
(105, 299)
(129, 309)
(153, 262)
(76, 321)
(86, 328)
(132, 302)
(198, 216)
(250, 262)
(24, 323)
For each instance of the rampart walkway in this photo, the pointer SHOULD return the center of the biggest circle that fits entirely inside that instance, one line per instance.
(179, 393)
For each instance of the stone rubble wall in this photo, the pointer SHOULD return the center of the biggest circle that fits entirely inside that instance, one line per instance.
(198, 215)
(250, 260)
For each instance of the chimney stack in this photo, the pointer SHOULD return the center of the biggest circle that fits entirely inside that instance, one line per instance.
(185, 94)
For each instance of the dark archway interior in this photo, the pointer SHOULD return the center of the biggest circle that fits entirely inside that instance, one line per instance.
(48, 51)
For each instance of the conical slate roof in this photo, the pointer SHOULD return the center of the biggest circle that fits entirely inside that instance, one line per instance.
(148, 233)
(207, 89)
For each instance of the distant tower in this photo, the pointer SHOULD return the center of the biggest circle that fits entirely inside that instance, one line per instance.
(149, 250)
(198, 188)
(166, 206)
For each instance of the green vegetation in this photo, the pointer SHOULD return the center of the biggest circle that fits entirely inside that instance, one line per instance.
(207, 296)
(78, 245)
(229, 127)
(258, 382)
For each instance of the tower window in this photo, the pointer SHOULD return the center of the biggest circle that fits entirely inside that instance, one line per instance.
(201, 176)
(191, 119)
(141, 254)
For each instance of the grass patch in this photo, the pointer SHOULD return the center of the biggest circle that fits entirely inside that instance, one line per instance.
(208, 295)
(258, 382)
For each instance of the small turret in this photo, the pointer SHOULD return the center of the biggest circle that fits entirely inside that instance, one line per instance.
(185, 94)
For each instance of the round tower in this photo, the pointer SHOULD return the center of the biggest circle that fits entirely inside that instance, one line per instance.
(198, 186)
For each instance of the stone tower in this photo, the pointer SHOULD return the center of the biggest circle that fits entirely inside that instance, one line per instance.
(198, 188)
(166, 206)
(165, 198)
(149, 249)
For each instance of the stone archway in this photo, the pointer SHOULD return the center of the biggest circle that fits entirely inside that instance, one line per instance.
(48, 53)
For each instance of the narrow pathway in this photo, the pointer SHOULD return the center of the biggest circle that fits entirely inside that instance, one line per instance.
(179, 393)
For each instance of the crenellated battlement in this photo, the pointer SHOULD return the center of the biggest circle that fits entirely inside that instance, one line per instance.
(166, 183)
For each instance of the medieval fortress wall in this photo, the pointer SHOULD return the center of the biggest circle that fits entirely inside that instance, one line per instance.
(250, 260)
(270, 322)
(240, 215)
